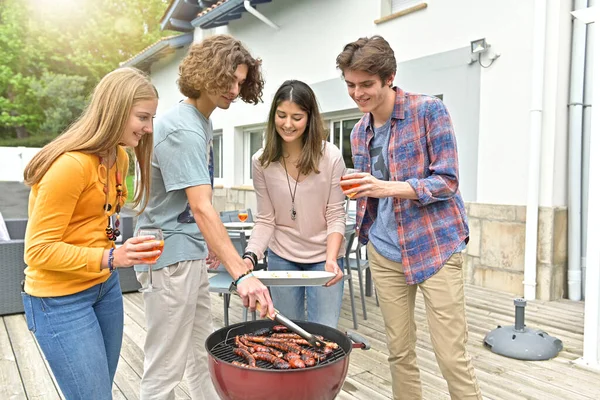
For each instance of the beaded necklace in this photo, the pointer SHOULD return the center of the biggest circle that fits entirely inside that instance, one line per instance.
(112, 233)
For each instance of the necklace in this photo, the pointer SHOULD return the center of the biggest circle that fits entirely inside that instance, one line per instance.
(112, 233)
(293, 196)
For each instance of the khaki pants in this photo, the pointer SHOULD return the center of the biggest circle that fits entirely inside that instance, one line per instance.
(445, 307)
(178, 321)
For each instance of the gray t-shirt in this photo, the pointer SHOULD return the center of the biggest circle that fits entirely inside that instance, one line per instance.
(182, 158)
(384, 231)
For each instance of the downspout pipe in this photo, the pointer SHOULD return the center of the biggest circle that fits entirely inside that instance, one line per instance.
(587, 129)
(535, 135)
(578, 49)
(258, 15)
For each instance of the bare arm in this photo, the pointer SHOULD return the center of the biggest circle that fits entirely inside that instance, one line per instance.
(251, 290)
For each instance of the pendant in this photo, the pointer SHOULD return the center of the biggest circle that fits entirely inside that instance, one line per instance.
(293, 213)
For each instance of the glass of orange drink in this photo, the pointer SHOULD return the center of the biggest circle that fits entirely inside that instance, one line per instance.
(159, 244)
(243, 216)
(349, 171)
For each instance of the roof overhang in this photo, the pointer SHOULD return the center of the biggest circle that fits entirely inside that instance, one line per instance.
(144, 59)
(178, 15)
(221, 13)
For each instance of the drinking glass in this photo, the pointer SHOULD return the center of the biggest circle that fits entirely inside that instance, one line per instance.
(159, 245)
(349, 171)
(243, 216)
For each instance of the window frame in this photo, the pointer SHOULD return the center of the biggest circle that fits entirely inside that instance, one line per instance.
(331, 121)
(248, 153)
(218, 135)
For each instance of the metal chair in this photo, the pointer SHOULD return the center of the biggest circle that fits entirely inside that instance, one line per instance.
(349, 235)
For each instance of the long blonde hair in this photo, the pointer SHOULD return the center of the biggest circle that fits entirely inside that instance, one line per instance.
(99, 129)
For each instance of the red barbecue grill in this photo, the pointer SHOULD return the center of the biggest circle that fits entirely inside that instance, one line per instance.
(321, 382)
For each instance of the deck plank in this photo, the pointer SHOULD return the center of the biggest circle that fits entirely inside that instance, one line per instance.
(32, 368)
(11, 386)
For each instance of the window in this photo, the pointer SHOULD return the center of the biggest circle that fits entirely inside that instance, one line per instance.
(253, 141)
(218, 154)
(339, 134)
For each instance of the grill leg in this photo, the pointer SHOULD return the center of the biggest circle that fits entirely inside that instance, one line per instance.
(226, 298)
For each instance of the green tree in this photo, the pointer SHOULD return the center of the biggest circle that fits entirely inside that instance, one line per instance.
(62, 97)
(46, 40)
(19, 111)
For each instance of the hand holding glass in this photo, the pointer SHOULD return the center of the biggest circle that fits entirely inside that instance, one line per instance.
(349, 171)
(157, 234)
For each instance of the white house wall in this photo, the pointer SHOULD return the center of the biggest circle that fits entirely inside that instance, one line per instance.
(313, 32)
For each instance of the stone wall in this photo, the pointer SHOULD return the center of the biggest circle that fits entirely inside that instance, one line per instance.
(235, 198)
(496, 251)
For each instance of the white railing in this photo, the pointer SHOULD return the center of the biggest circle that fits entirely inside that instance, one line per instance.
(13, 161)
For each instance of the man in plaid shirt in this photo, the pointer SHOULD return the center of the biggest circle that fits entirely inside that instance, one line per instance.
(411, 213)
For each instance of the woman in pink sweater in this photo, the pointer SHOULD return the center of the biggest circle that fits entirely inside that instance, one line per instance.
(301, 217)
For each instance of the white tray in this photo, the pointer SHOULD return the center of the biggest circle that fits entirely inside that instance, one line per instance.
(294, 278)
(238, 225)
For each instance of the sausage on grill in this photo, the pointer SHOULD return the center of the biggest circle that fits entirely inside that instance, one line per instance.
(280, 328)
(239, 364)
(270, 358)
(238, 341)
(296, 363)
(309, 361)
(246, 356)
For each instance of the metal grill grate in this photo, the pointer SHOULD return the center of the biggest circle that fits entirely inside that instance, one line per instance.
(224, 352)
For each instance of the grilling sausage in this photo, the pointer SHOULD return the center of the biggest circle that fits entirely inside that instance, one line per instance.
(246, 356)
(239, 364)
(239, 343)
(270, 358)
(280, 328)
(308, 360)
(296, 363)
(261, 332)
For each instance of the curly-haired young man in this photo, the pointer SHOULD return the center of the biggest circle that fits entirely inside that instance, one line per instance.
(214, 73)
(411, 212)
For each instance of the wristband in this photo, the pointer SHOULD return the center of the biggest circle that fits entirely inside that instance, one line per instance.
(252, 257)
(111, 259)
(240, 278)
(243, 277)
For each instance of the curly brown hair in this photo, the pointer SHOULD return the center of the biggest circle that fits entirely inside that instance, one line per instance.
(210, 66)
(372, 55)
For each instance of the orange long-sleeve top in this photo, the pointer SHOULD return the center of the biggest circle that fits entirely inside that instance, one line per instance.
(65, 238)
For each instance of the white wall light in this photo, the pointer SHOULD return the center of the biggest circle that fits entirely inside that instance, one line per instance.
(480, 47)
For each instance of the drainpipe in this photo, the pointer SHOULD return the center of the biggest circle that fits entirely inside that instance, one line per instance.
(535, 134)
(575, 149)
(587, 129)
(258, 15)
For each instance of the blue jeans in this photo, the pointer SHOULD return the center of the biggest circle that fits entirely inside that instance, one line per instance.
(323, 304)
(80, 335)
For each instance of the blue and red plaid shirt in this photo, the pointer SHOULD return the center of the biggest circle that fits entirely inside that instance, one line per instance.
(422, 152)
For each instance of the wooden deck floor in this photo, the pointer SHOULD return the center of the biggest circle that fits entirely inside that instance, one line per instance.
(25, 375)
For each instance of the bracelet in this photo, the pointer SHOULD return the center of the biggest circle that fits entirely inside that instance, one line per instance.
(111, 259)
(252, 257)
(241, 278)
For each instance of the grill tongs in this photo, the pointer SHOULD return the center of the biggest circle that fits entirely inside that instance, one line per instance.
(285, 321)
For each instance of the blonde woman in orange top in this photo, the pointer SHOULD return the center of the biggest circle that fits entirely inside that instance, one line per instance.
(72, 297)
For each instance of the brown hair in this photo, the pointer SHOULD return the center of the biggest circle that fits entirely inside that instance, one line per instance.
(210, 66)
(372, 55)
(312, 139)
(100, 128)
